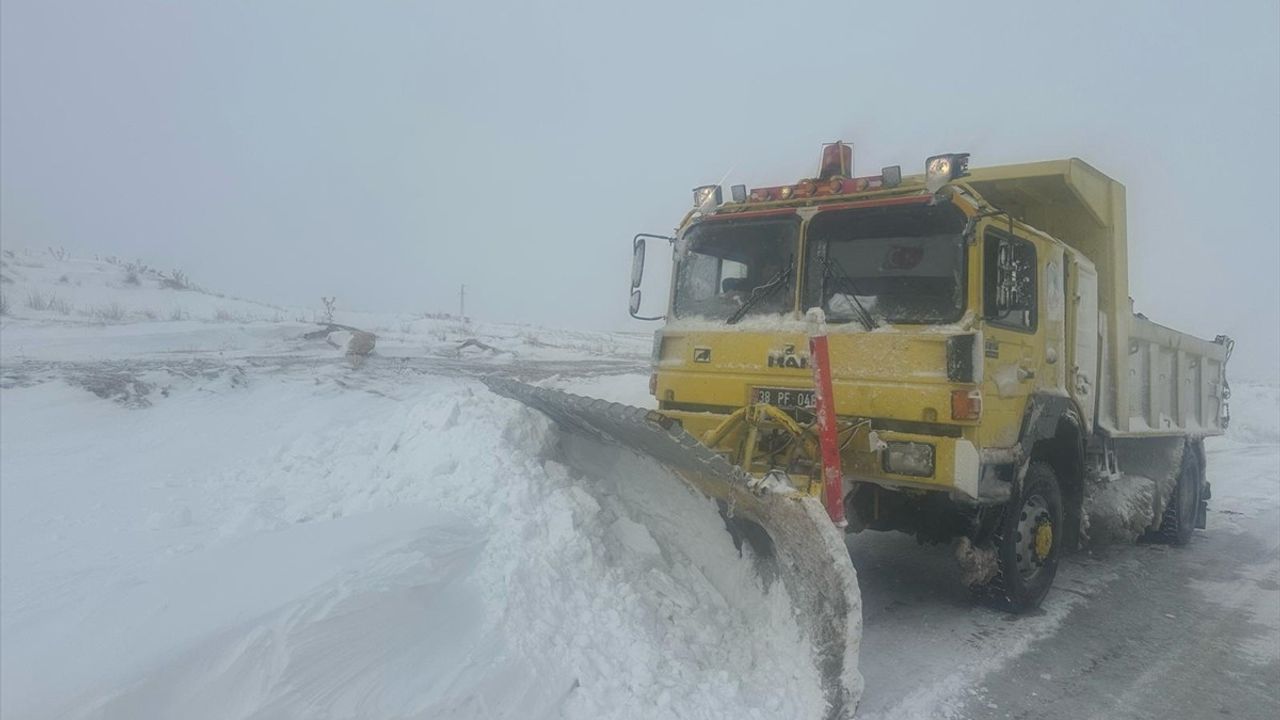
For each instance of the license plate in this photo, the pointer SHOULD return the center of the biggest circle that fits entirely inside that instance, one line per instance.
(788, 398)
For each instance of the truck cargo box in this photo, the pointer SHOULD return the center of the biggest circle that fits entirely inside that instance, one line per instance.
(1176, 382)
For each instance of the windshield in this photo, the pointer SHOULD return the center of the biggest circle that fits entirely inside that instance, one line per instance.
(887, 265)
(736, 268)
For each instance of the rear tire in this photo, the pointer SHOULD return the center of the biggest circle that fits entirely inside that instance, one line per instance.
(1179, 517)
(1028, 541)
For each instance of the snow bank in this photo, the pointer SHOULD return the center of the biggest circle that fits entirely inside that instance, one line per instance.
(1244, 465)
(298, 539)
(1255, 414)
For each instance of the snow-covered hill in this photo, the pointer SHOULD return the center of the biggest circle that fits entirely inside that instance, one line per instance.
(58, 287)
(64, 308)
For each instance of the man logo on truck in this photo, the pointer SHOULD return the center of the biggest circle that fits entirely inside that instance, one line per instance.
(787, 358)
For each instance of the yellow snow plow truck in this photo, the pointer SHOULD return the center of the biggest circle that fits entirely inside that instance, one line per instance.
(988, 377)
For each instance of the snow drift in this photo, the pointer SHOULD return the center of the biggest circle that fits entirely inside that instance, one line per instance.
(205, 518)
(288, 548)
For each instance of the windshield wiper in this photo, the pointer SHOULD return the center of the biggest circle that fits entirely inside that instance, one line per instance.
(760, 292)
(831, 270)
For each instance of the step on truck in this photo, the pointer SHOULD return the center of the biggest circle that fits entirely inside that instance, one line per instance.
(989, 378)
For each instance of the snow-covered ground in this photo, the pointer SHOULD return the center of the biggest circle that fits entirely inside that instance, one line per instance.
(205, 515)
(74, 309)
(212, 517)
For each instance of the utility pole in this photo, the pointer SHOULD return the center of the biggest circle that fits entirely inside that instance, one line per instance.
(462, 301)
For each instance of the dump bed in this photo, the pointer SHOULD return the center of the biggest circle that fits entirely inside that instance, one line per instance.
(1176, 382)
(1152, 380)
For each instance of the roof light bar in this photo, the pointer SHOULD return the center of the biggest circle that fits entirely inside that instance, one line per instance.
(837, 159)
(835, 177)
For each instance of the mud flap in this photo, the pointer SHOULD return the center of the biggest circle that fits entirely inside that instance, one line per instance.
(809, 550)
(1202, 512)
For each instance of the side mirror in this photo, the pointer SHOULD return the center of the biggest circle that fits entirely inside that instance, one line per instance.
(637, 264)
(637, 271)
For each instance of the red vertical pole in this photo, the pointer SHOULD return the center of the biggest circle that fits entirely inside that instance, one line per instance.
(824, 401)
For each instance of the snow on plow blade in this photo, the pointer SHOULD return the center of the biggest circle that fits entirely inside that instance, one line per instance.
(808, 550)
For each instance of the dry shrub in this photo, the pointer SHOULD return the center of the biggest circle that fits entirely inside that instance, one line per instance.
(176, 280)
(111, 312)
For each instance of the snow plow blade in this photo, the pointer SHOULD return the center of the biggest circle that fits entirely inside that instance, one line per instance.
(807, 550)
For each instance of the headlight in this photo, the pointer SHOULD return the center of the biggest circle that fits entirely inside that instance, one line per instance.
(707, 197)
(942, 169)
(908, 458)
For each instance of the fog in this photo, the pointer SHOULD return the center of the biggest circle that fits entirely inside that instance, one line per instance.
(388, 152)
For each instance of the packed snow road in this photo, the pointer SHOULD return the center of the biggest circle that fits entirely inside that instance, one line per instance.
(1183, 633)
(1127, 632)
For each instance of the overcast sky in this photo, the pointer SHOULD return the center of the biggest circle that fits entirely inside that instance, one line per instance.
(386, 152)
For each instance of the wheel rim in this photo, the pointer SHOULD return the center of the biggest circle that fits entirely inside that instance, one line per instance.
(1033, 540)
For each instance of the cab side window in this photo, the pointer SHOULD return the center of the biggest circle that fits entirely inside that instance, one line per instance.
(1009, 283)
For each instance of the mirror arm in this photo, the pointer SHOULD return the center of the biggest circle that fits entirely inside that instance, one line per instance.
(638, 245)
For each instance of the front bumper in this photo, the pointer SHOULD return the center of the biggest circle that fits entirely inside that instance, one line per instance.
(957, 468)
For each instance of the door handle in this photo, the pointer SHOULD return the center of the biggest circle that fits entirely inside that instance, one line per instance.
(1025, 374)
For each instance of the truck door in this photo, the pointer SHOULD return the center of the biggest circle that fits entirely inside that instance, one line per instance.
(1082, 370)
(1011, 334)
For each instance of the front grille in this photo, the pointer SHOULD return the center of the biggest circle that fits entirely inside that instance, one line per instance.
(804, 417)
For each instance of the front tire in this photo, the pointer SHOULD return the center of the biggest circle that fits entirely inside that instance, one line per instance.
(1028, 542)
